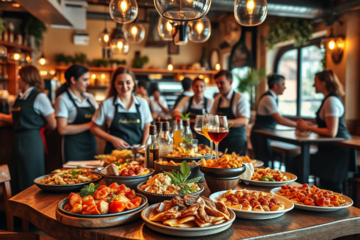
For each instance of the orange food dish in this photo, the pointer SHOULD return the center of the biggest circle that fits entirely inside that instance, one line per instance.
(311, 196)
(227, 161)
(113, 199)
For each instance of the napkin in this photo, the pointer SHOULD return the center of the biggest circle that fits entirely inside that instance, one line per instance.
(248, 172)
(85, 164)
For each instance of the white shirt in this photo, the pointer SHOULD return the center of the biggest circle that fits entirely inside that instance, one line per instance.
(267, 105)
(188, 93)
(155, 106)
(240, 107)
(332, 107)
(184, 104)
(105, 112)
(65, 108)
(42, 104)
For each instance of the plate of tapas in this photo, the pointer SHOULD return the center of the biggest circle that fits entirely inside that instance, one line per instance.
(188, 216)
(266, 177)
(67, 180)
(183, 153)
(312, 198)
(94, 201)
(254, 205)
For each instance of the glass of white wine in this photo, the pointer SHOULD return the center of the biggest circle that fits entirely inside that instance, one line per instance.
(201, 127)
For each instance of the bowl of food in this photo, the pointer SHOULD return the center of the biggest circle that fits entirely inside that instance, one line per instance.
(116, 156)
(225, 166)
(266, 177)
(165, 186)
(130, 174)
(189, 154)
(163, 165)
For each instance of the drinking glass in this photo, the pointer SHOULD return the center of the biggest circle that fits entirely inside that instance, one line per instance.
(217, 130)
(201, 127)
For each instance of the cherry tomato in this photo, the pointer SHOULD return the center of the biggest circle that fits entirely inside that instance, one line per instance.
(130, 195)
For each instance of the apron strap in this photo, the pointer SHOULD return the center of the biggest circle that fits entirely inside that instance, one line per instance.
(42, 130)
(190, 103)
(205, 104)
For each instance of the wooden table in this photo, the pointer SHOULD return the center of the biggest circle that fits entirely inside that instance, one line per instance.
(39, 208)
(303, 142)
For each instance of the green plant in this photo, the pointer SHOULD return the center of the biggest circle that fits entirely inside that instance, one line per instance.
(99, 63)
(69, 59)
(60, 58)
(252, 78)
(185, 116)
(284, 29)
(36, 28)
(138, 62)
(2, 26)
(80, 58)
(179, 178)
(117, 61)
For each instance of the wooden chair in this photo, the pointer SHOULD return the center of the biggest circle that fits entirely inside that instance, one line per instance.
(5, 185)
(18, 236)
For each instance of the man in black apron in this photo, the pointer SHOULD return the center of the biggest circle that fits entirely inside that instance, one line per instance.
(236, 107)
(186, 84)
(80, 146)
(267, 115)
(126, 126)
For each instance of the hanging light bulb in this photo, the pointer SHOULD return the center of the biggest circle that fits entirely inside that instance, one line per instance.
(119, 45)
(182, 10)
(104, 36)
(170, 67)
(200, 30)
(217, 67)
(123, 11)
(250, 12)
(42, 60)
(165, 28)
(28, 59)
(16, 56)
(3, 51)
(134, 32)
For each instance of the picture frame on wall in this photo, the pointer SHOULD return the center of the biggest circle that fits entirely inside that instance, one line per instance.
(173, 49)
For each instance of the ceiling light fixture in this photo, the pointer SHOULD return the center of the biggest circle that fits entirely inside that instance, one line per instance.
(42, 60)
(104, 36)
(170, 66)
(335, 45)
(165, 28)
(123, 11)
(250, 12)
(199, 30)
(134, 32)
(16, 56)
(119, 45)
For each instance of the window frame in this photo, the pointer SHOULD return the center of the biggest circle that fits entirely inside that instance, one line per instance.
(282, 50)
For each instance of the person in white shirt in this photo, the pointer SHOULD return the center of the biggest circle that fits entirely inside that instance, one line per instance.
(195, 105)
(32, 113)
(267, 115)
(331, 163)
(187, 92)
(126, 117)
(74, 109)
(236, 107)
(158, 104)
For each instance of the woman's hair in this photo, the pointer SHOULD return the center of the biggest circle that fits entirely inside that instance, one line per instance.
(31, 76)
(333, 85)
(198, 79)
(120, 70)
(75, 71)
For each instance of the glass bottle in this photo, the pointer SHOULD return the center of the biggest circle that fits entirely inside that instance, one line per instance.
(152, 148)
(203, 61)
(159, 127)
(187, 134)
(165, 140)
(177, 133)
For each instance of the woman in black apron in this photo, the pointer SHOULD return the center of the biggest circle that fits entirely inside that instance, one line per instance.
(31, 112)
(198, 86)
(74, 110)
(127, 117)
(331, 163)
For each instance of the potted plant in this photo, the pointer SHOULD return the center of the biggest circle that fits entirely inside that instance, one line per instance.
(34, 27)
(138, 61)
(60, 59)
(69, 60)
(99, 63)
(80, 58)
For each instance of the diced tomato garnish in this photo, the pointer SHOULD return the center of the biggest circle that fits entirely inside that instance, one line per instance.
(116, 207)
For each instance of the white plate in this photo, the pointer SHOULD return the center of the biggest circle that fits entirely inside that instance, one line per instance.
(348, 200)
(184, 232)
(271, 184)
(258, 163)
(254, 215)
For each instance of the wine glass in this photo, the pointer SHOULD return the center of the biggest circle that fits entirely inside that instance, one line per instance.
(201, 127)
(217, 130)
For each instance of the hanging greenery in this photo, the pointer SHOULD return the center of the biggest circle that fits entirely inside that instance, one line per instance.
(2, 26)
(252, 78)
(35, 27)
(284, 29)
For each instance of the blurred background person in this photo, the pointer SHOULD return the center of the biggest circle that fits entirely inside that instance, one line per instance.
(187, 91)
(142, 88)
(158, 104)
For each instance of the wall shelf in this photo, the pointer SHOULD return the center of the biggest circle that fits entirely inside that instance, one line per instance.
(13, 45)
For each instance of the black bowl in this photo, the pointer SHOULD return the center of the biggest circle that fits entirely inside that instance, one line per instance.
(181, 159)
(222, 172)
(63, 188)
(129, 181)
(195, 170)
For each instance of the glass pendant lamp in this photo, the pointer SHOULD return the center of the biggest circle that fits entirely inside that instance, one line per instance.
(104, 36)
(134, 32)
(16, 56)
(250, 12)
(119, 45)
(42, 60)
(199, 30)
(165, 28)
(123, 11)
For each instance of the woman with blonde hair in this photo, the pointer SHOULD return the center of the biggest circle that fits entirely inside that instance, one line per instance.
(32, 112)
(330, 163)
(126, 117)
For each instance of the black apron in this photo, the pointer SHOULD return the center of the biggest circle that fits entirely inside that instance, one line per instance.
(126, 126)
(331, 162)
(80, 146)
(262, 123)
(28, 148)
(236, 140)
(193, 112)
(181, 96)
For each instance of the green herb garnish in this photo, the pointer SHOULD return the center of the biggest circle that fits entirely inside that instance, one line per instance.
(180, 178)
(89, 190)
(185, 117)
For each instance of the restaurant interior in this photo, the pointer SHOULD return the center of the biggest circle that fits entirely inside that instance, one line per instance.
(296, 39)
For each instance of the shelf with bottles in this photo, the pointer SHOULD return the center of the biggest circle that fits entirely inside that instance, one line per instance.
(15, 45)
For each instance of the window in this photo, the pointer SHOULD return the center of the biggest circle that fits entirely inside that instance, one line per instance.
(299, 65)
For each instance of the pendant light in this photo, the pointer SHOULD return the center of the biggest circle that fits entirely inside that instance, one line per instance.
(250, 12)
(104, 36)
(134, 32)
(42, 60)
(123, 11)
(170, 66)
(3, 51)
(182, 10)
(119, 45)
(180, 33)
(16, 56)
(165, 28)
(333, 43)
(199, 30)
